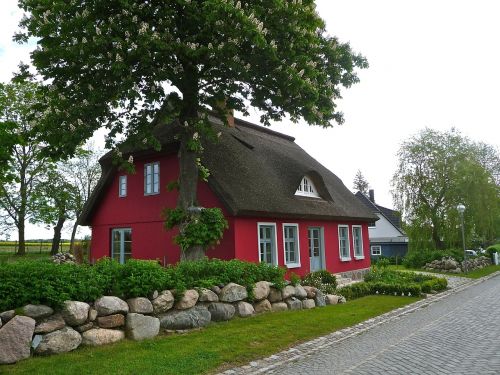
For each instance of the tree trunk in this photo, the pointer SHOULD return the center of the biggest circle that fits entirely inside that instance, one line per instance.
(57, 235)
(21, 241)
(73, 234)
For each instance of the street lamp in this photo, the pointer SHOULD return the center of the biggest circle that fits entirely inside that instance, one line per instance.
(461, 209)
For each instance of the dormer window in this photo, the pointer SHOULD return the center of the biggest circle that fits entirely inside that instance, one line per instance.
(306, 188)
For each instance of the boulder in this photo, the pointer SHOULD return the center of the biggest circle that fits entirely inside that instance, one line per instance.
(342, 299)
(37, 339)
(15, 339)
(154, 295)
(84, 327)
(164, 302)
(7, 315)
(92, 315)
(195, 317)
(1, 323)
(293, 303)
(274, 295)
(101, 336)
(50, 324)
(310, 290)
(216, 289)
(261, 290)
(140, 305)
(188, 300)
(37, 311)
(221, 311)
(262, 306)
(279, 306)
(111, 321)
(140, 327)
(244, 309)
(308, 304)
(206, 295)
(60, 341)
(288, 291)
(232, 293)
(109, 305)
(300, 292)
(75, 313)
(331, 299)
(319, 299)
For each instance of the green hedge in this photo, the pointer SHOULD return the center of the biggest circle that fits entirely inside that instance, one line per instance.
(419, 258)
(43, 282)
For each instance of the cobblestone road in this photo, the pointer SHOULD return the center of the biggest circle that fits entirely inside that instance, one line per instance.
(456, 333)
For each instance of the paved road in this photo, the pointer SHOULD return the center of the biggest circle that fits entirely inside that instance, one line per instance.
(457, 335)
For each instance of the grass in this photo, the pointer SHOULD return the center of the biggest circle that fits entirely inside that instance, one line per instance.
(215, 348)
(476, 274)
(10, 258)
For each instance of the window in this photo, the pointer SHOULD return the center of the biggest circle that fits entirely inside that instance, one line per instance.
(357, 242)
(121, 244)
(267, 243)
(345, 252)
(291, 244)
(371, 224)
(122, 186)
(376, 250)
(306, 188)
(151, 178)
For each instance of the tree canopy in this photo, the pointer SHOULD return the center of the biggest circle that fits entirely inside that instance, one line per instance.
(360, 184)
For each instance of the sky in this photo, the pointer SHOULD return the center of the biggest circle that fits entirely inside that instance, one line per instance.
(432, 63)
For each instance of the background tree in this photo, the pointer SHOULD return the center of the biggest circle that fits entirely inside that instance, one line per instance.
(436, 172)
(135, 65)
(24, 163)
(360, 184)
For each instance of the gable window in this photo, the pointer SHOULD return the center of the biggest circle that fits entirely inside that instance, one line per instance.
(291, 244)
(151, 178)
(267, 243)
(306, 188)
(344, 246)
(121, 244)
(376, 250)
(122, 186)
(357, 242)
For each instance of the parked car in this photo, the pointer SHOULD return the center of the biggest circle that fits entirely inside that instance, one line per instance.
(472, 253)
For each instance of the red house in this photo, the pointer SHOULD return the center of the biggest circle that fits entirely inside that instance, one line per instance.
(283, 207)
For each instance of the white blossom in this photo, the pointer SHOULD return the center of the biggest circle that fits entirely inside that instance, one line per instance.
(131, 159)
(195, 136)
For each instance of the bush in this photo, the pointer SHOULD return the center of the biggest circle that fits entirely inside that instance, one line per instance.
(323, 280)
(493, 249)
(419, 258)
(354, 291)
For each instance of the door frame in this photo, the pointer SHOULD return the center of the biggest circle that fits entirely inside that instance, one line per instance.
(321, 248)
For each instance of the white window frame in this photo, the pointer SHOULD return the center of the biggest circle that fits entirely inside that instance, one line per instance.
(306, 188)
(343, 258)
(373, 247)
(362, 255)
(149, 179)
(122, 243)
(297, 245)
(274, 247)
(122, 186)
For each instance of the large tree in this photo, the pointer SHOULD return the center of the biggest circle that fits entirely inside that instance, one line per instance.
(436, 172)
(133, 65)
(360, 184)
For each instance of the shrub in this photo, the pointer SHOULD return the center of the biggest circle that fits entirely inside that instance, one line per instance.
(436, 284)
(493, 249)
(323, 280)
(354, 291)
(419, 258)
(294, 279)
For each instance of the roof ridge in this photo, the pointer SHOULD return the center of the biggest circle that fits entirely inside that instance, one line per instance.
(263, 129)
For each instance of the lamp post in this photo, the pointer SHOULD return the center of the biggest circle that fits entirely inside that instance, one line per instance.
(461, 209)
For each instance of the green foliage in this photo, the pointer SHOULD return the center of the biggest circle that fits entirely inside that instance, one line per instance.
(360, 184)
(323, 280)
(354, 291)
(383, 263)
(436, 284)
(419, 258)
(493, 249)
(295, 279)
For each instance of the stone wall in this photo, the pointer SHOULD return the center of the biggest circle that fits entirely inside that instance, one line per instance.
(39, 330)
(448, 264)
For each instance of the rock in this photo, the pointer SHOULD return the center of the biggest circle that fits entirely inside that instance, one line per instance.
(140, 305)
(310, 290)
(141, 327)
(188, 300)
(279, 306)
(288, 291)
(196, 317)
(37, 339)
(342, 299)
(75, 313)
(261, 290)
(101, 336)
(244, 309)
(308, 304)
(154, 295)
(319, 299)
(262, 306)
(300, 292)
(274, 295)
(206, 295)
(221, 311)
(37, 311)
(111, 321)
(15, 339)
(0, 322)
(61, 341)
(109, 305)
(163, 303)
(92, 315)
(293, 303)
(84, 327)
(232, 293)
(331, 299)
(50, 324)
(7, 315)
(216, 289)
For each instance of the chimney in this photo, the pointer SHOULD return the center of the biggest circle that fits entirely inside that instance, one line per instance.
(229, 112)
(371, 192)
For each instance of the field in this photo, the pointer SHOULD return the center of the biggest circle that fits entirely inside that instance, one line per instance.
(38, 247)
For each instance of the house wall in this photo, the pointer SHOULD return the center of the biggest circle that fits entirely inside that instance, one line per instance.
(246, 235)
(392, 249)
(383, 228)
(143, 215)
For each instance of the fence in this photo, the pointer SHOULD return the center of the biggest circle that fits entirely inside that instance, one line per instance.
(32, 247)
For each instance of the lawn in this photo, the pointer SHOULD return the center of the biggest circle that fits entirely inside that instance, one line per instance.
(476, 274)
(9, 258)
(217, 347)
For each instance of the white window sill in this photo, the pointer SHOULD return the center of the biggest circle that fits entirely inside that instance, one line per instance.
(345, 259)
(376, 255)
(148, 194)
(293, 265)
(359, 257)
